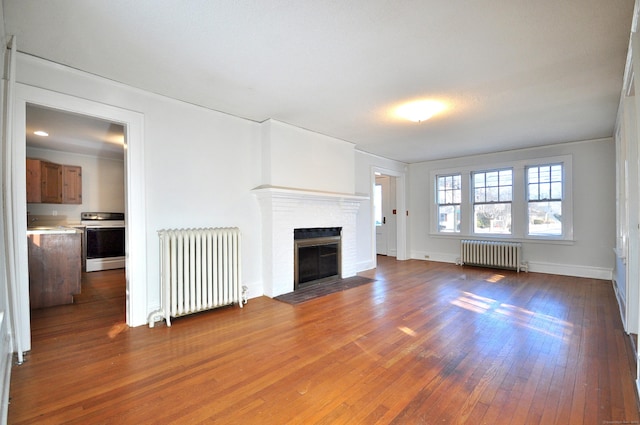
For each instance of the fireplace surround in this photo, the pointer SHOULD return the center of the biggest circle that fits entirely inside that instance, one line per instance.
(284, 210)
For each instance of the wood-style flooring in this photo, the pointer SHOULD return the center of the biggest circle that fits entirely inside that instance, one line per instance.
(426, 343)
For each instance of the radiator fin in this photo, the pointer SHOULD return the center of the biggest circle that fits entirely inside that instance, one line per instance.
(199, 270)
(499, 254)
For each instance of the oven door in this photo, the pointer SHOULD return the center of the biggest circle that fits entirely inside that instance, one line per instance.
(104, 248)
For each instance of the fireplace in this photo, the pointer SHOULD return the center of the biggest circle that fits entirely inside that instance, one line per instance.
(317, 255)
(283, 211)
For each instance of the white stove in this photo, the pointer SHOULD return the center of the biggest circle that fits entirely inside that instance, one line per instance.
(104, 240)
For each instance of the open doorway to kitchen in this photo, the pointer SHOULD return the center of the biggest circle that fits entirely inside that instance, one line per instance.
(79, 160)
(131, 179)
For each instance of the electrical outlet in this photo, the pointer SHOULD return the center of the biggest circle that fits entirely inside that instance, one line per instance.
(426, 256)
(54, 212)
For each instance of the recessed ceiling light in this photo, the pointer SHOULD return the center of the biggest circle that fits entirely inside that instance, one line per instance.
(41, 133)
(420, 110)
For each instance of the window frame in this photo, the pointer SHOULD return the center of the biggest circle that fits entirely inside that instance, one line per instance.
(519, 202)
(540, 200)
(485, 186)
(448, 204)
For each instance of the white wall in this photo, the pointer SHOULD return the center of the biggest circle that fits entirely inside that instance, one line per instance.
(591, 252)
(199, 165)
(301, 159)
(102, 185)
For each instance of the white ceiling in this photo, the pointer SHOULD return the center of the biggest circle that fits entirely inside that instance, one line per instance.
(515, 73)
(75, 133)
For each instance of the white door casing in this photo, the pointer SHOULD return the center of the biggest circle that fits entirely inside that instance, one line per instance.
(134, 197)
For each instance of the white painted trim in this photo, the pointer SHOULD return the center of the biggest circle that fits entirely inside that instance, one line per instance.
(134, 197)
(441, 257)
(536, 267)
(10, 232)
(365, 265)
(315, 195)
(621, 304)
(5, 367)
(401, 205)
(571, 270)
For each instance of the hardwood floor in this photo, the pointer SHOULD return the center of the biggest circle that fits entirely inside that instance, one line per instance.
(427, 343)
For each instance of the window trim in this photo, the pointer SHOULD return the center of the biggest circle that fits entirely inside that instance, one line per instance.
(474, 203)
(530, 201)
(519, 202)
(452, 204)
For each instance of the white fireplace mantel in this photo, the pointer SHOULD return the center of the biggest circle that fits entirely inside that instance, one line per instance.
(285, 209)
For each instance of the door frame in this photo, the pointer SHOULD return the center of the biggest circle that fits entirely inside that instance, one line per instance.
(133, 122)
(382, 230)
(401, 223)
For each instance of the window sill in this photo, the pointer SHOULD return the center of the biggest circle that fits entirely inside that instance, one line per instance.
(506, 238)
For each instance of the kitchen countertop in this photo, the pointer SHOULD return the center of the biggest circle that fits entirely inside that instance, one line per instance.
(52, 230)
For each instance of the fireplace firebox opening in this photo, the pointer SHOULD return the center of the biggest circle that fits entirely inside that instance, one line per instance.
(317, 255)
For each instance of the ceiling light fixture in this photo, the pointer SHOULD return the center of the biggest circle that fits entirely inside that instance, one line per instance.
(420, 110)
(41, 133)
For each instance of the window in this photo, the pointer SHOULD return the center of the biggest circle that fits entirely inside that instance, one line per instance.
(544, 198)
(492, 196)
(377, 204)
(524, 199)
(449, 198)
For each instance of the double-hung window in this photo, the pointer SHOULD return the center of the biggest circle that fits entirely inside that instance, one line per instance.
(448, 199)
(524, 199)
(544, 198)
(492, 197)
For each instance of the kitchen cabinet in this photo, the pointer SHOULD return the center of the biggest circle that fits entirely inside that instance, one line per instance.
(50, 183)
(44, 181)
(55, 266)
(71, 184)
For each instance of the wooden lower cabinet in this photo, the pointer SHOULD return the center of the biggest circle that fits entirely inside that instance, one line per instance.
(55, 268)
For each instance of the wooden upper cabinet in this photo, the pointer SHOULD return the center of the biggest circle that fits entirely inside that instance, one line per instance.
(34, 180)
(72, 184)
(50, 183)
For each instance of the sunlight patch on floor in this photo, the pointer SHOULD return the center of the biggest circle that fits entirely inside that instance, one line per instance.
(117, 329)
(543, 323)
(495, 278)
(407, 331)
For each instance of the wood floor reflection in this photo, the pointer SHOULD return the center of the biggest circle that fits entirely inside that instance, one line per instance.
(425, 343)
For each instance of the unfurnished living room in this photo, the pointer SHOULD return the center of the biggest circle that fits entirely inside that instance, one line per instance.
(336, 212)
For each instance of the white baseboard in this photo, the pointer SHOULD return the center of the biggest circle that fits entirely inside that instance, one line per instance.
(572, 270)
(5, 368)
(440, 257)
(621, 304)
(362, 266)
(535, 266)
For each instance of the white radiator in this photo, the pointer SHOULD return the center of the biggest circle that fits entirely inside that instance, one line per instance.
(506, 255)
(199, 270)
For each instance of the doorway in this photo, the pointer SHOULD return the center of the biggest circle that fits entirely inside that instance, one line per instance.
(94, 150)
(385, 215)
(133, 123)
(393, 213)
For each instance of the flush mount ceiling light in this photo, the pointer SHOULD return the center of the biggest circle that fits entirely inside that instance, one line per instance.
(420, 110)
(41, 133)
